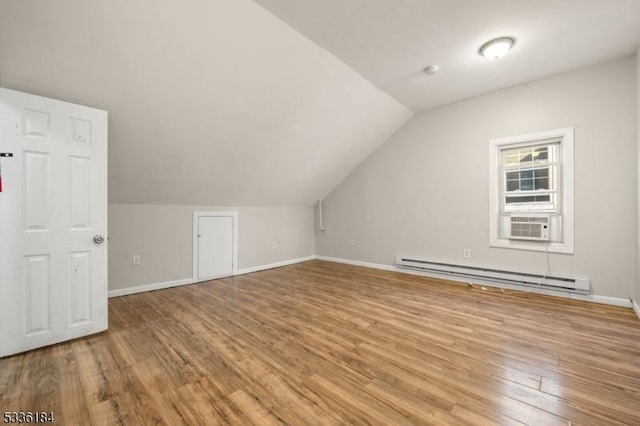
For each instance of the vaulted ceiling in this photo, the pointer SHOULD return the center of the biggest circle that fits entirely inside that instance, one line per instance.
(274, 102)
(212, 102)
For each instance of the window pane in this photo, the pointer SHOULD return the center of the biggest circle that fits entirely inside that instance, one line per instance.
(513, 200)
(542, 183)
(525, 156)
(528, 199)
(513, 185)
(526, 184)
(542, 153)
(526, 174)
(512, 158)
(513, 175)
(528, 155)
(541, 172)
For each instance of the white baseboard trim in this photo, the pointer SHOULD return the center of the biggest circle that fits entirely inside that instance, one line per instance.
(148, 287)
(615, 301)
(357, 263)
(636, 308)
(273, 265)
(605, 300)
(186, 281)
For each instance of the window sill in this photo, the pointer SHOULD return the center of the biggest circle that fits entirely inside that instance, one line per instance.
(533, 246)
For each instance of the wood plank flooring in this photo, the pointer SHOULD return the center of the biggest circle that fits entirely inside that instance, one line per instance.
(329, 344)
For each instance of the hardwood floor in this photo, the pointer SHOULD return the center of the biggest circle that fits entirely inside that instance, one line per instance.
(324, 343)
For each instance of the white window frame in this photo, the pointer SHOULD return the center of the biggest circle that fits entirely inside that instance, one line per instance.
(565, 243)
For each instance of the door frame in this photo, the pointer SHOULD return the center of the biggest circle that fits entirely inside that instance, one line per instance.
(196, 219)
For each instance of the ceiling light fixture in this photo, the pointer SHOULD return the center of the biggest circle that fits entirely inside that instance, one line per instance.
(497, 48)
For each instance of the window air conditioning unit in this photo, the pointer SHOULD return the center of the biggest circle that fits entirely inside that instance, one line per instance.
(532, 228)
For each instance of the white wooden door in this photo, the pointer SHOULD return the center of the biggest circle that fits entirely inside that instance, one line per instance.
(215, 247)
(53, 276)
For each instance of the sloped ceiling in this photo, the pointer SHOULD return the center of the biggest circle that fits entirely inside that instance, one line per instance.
(390, 42)
(210, 101)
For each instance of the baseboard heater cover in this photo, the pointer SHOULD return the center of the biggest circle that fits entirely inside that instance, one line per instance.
(575, 285)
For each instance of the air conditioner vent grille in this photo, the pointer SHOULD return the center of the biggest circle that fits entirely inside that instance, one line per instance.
(529, 219)
(529, 228)
(526, 230)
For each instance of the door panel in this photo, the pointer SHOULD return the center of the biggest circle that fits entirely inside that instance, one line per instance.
(36, 123)
(37, 274)
(79, 288)
(53, 278)
(80, 192)
(215, 247)
(36, 191)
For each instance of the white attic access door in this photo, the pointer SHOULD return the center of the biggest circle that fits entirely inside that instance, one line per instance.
(53, 214)
(215, 245)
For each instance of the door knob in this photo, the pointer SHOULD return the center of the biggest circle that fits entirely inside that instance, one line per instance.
(98, 239)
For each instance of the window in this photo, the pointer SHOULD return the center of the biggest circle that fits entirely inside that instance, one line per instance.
(531, 180)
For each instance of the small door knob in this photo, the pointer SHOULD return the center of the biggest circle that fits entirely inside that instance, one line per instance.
(98, 239)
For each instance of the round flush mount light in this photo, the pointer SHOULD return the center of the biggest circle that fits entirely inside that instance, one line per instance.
(431, 70)
(497, 48)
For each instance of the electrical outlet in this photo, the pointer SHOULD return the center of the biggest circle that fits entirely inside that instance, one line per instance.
(353, 242)
(466, 253)
(135, 259)
(274, 245)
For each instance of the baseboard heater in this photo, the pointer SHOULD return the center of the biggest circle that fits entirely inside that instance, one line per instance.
(469, 273)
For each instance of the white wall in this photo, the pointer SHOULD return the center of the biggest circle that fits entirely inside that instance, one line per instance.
(162, 236)
(425, 191)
